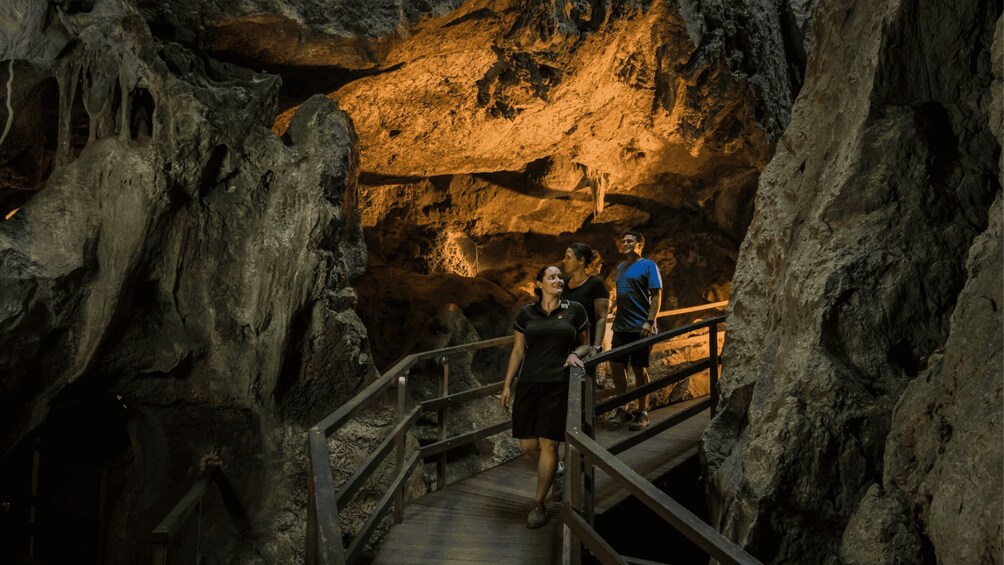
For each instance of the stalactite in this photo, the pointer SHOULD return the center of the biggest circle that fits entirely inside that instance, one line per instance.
(598, 183)
(67, 78)
(99, 97)
(10, 108)
(85, 96)
(123, 124)
(402, 23)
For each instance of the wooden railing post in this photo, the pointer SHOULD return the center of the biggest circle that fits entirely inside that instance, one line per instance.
(444, 390)
(325, 547)
(311, 556)
(160, 554)
(588, 471)
(713, 369)
(402, 399)
(572, 497)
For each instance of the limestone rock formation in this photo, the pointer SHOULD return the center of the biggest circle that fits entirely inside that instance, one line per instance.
(568, 120)
(183, 259)
(944, 461)
(862, 390)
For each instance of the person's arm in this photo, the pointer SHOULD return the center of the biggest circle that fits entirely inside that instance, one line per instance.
(574, 358)
(651, 326)
(601, 306)
(515, 359)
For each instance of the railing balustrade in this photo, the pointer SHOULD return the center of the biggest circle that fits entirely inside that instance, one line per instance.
(191, 503)
(583, 453)
(324, 542)
(324, 539)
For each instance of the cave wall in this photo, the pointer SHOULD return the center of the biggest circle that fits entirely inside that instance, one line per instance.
(186, 260)
(862, 384)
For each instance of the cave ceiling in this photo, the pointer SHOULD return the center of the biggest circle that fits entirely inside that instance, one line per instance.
(493, 119)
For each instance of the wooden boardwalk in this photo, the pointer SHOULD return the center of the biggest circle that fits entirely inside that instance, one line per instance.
(481, 519)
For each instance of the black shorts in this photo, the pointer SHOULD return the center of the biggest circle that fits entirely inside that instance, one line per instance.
(539, 410)
(638, 358)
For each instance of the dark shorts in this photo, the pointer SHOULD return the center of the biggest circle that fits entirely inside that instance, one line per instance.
(539, 410)
(638, 358)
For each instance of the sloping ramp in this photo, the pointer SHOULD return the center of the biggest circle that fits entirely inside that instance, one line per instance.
(480, 519)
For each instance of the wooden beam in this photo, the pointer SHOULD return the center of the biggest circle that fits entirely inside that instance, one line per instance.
(328, 535)
(358, 479)
(382, 507)
(596, 544)
(681, 519)
(651, 340)
(461, 397)
(659, 427)
(464, 439)
(644, 390)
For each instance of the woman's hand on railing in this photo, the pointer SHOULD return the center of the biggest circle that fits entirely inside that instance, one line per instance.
(573, 361)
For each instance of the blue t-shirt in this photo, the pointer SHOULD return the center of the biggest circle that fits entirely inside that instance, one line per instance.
(633, 283)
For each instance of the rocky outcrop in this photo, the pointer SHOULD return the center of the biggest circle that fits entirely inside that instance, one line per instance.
(862, 387)
(944, 461)
(186, 261)
(539, 124)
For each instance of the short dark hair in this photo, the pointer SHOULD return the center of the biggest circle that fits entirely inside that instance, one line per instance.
(636, 235)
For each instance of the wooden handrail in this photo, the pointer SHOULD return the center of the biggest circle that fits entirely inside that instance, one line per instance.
(596, 544)
(382, 507)
(461, 397)
(356, 481)
(371, 392)
(657, 384)
(323, 537)
(651, 340)
(324, 544)
(175, 519)
(465, 439)
(689, 309)
(583, 451)
(655, 429)
(681, 519)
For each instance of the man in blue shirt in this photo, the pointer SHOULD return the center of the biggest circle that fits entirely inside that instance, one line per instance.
(639, 297)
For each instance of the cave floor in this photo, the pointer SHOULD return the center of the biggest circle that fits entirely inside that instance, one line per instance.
(480, 519)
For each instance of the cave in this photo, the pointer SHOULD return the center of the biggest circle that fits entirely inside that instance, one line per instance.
(221, 223)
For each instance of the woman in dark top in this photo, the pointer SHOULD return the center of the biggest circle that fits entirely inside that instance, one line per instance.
(589, 291)
(551, 335)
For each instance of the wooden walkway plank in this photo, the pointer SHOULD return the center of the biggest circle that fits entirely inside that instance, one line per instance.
(481, 519)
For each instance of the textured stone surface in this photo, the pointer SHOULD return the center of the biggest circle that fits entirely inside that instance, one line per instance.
(187, 260)
(630, 93)
(539, 124)
(944, 461)
(844, 297)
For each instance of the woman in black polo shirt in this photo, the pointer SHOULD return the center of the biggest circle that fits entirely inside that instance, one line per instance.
(588, 290)
(551, 335)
